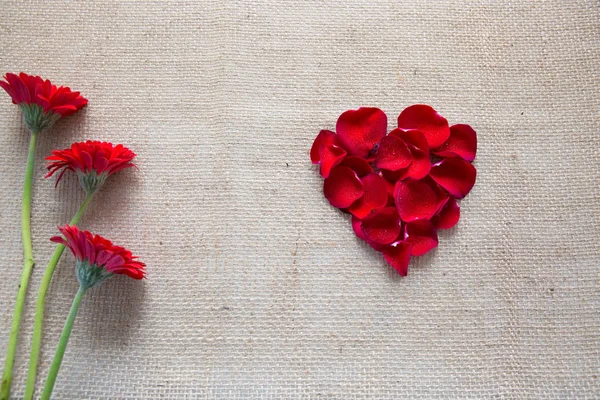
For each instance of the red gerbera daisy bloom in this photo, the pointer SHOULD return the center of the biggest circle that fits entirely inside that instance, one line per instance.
(93, 161)
(42, 102)
(98, 258)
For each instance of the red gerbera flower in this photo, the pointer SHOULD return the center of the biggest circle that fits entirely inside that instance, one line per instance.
(42, 102)
(93, 161)
(98, 258)
(400, 187)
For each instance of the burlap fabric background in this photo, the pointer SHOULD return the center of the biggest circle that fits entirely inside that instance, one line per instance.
(257, 288)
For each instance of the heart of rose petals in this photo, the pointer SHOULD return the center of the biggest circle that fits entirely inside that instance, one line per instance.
(401, 187)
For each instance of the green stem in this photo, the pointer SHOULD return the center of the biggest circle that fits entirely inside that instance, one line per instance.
(62, 345)
(36, 340)
(27, 268)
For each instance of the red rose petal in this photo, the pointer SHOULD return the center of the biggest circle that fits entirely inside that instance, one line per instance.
(416, 200)
(342, 187)
(442, 195)
(412, 137)
(360, 130)
(324, 137)
(393, 154)
(422, 235)
(427, 120)
(448, 215)
(382, 226)
(420, 165)
(419, 149)
(357, 227)
(390, 190)
(393, 176)
(461, 143)
(375, 196)
(455, 175)
(398, 256)
(358, 165)
(330, 155)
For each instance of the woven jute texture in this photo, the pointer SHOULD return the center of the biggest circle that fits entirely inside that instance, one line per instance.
(257, 288)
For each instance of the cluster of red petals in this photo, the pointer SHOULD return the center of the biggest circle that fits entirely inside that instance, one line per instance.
(100, 252)
(401, 186)
(29, 89)
(90, 156)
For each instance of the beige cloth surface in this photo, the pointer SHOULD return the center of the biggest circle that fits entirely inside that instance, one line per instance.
(257, 288)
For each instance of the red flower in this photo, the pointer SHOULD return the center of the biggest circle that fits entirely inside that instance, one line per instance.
(401, 187)
(42, 102)
(98, 258)
(93, 162)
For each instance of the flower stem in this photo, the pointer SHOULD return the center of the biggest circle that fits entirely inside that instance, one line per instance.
(62, 345)
(27, 268)
(36, 340)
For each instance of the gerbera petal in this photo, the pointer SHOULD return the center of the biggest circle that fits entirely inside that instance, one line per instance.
(80, 240)
(375, 196)
(21, 92)
(58, 239)
(43, 91)
(87, 160)
(427, 120)
(117, 168)
(461, 143)
(80, 101)
(415, 200)
(360, 130)
(397, 255)
(90, 251)
(392, 154)
(448, 216)
(103, 256)
(6, 86)
(382, 226)
(134, 273)
(113, 263)
(31, 82)
(455, 175)
(63, 110)
(101, 163)
(343, 187)
(422, 235)
(71, 235)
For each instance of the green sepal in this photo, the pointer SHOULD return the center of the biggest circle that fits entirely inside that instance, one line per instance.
(91, 181)
(36, 118)
(90, 275)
